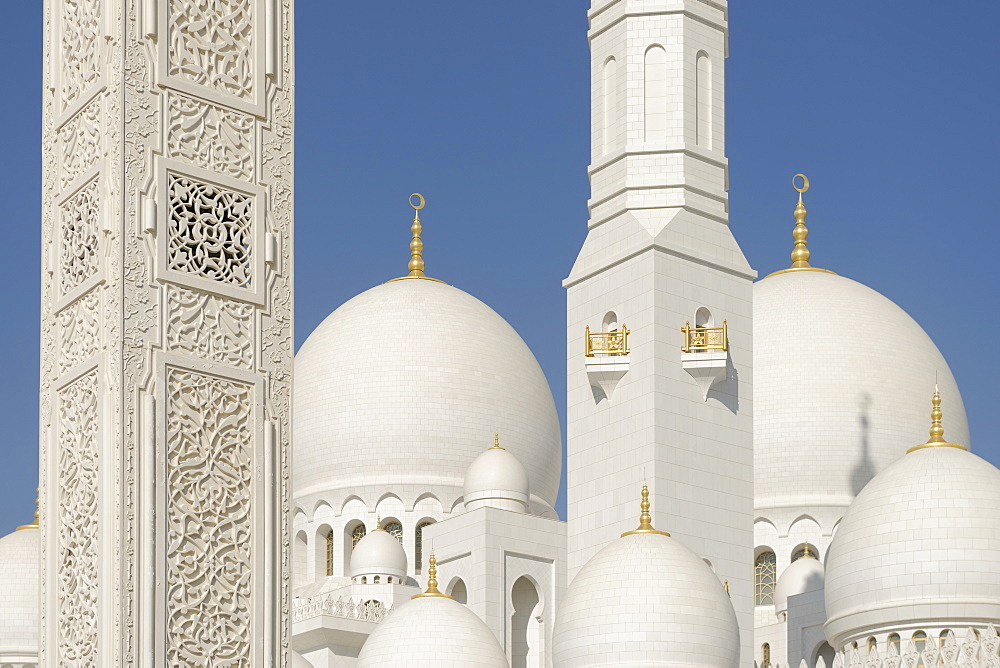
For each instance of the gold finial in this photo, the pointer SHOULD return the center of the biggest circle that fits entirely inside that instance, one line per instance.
(806, 554)
(33, 525)
(937, 431)
(432, 581)
(645, 519)
(800, 254)
(496, 441)
(416, 265)
(725, 585)
(378, 523)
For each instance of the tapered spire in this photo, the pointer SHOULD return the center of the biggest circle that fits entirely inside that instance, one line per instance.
(936, 439)
(801, 252)
(432, 582)
(645, 518)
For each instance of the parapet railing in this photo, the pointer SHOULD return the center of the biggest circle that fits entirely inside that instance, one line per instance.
(607, 343)
(702, 339)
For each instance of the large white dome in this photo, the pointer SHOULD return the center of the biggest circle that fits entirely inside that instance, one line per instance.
(841, 376)
(19, 563)
(407, 383)
(918, 547)
(432, 632)
(646, 600)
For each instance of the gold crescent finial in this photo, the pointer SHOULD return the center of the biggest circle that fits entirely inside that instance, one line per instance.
(645, 519)
(800, 253)
(432, 582)
(416, 265)
(936, 439)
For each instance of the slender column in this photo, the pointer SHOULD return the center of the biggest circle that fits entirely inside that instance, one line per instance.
(166, 332)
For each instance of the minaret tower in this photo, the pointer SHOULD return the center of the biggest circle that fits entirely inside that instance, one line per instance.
(166, 332)
(668, 397)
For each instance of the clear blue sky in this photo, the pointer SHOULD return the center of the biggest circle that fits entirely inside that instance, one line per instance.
(890, 108)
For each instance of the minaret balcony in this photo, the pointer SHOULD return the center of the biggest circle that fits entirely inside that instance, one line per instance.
(607, 360)
(705, 355)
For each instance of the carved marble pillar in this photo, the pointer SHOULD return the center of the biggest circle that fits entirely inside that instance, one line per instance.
(166, 332)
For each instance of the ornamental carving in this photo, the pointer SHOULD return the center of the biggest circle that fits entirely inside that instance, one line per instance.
(79, 243)
(209, 485)
(79, 143)
(210, 136)
(79, 331)
(209, 230)
(210, 44)
(80, 57)
(210, 327)
(77, 464)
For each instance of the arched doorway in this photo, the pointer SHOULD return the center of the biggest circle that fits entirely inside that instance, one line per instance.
(526, 627)
(459, 592)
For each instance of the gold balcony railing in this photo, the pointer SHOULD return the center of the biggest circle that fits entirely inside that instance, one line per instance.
(607, 343)
(702, 339)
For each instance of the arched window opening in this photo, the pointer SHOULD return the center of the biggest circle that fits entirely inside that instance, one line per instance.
(394, 528)
(893, 642)
(364, 579)
(872, 644)
(765, 655)
(656, 94)
(610, 322)
(765, 570)
(419, 543)
(526, 627)
(825, 652)
(300, 552)
(703, 102)
(329, 553)
(610, 110)
(377, 580)
(703, 318)
(459, 592)
(920, 644)
(357, 534)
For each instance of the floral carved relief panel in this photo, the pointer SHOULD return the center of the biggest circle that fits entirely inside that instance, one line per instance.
(210, 43)
(210, 136)
(79, 143)
(79, 237)
(209, 520)
(210, 327)
(79, 331)
(210, 231)
(77, 463)
(80, 49)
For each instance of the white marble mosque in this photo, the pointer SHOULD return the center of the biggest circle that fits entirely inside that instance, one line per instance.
(751, 481)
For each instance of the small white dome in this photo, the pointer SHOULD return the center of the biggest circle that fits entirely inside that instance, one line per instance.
(378, 553)
(418, 366)
(646, 600)
(496, 479)
(919, 546)
(432, 632)
(805, 574)
(840, 375)
(19, 564)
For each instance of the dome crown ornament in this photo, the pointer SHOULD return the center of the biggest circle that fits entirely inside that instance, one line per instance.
(806, 554)
(416, 265)
(33, 525)
(645, 519)
(936, 439)
(800, 253)
(432, 582)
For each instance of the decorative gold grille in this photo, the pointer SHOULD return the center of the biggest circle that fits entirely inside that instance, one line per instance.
(357, 534)
(419, 544)
(607, 343)
(701, 339)
(395, 529)
(765, 568)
